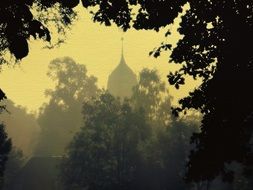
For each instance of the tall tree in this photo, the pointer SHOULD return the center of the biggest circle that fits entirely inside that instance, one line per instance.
(104, 154)
(61, 117)
(153, 96)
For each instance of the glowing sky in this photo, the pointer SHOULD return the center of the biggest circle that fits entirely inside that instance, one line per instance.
(96, 46)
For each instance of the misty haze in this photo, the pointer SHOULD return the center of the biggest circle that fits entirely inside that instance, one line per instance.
(126, 95)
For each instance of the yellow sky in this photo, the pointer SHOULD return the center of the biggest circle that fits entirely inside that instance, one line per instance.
(96, 46)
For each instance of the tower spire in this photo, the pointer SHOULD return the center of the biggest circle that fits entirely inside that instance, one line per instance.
(122, 79)
(122, 61)
(122, 46)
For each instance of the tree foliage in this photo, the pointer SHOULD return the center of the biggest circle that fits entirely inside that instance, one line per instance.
(152, 95)
(26, 19)
(103, 155)
(61, 117)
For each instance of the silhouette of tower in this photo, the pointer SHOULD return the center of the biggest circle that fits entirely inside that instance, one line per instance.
(122, 79)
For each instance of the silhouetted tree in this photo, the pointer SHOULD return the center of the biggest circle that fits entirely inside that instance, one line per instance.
(104, 154)
(61, 118)
(24, 19)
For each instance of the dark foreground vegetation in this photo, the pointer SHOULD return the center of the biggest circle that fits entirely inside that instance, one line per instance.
(217, 36)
